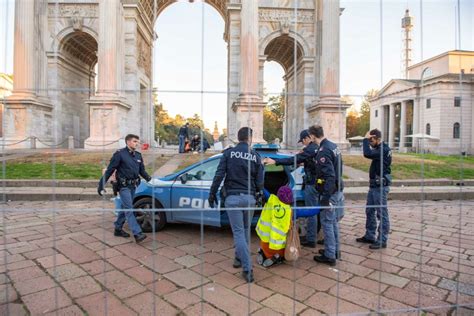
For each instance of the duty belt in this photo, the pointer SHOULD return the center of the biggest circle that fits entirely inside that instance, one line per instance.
(127, 182)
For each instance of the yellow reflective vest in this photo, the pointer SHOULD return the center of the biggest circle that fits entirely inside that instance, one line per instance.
(274, 223)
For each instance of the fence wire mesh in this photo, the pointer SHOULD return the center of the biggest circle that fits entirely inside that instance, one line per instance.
(91, 79)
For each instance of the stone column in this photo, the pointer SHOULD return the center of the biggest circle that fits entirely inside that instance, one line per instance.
(249, 50)
(24, 49)
(329, 84)
(391, 126)
(382, 113)
(109, 111)
(403, 126)
(328, 109)
(108, 46)
(25, 114)
(416, 116)
(249, 105)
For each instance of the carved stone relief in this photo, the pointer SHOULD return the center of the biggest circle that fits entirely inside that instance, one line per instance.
(74, 10)
(285, 16)
(144, 55)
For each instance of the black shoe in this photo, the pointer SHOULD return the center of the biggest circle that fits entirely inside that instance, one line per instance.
(309, 244)
(365, 240)
(338, 254)
(320, 242)
(326, 260)
(378, 245)
(121, 233)
(237, 263)
(139, 238)
(248, 276)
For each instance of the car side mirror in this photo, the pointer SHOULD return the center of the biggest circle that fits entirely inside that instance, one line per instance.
(183, 178)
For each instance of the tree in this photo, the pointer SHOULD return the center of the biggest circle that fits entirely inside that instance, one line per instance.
(364, 113)
(273, 116)
(352, 123)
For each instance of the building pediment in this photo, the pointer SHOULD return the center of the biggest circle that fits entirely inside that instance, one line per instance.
(395, 86)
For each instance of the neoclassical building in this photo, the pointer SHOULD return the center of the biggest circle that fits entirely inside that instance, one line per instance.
(59, 45)
(435, 104)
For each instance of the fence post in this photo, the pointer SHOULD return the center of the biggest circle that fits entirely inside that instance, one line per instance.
(70, 142)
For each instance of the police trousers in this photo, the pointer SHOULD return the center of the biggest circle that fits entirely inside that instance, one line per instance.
(377, 209)
(126, 196)
(240, 222)
(311, 199)
(330, 218)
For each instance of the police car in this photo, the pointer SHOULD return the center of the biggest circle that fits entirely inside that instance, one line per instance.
(181, 197)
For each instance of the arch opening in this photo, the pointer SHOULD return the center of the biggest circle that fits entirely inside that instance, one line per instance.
(288, 52)
(177, 73)
(77, 73)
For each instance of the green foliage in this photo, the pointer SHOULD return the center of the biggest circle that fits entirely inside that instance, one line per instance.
(273, 116)
(167, 128)
(358, 123)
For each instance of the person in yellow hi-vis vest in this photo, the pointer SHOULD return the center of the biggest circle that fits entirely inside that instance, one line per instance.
(273, 226)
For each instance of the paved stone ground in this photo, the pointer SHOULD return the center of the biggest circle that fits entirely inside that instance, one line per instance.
(69, 263)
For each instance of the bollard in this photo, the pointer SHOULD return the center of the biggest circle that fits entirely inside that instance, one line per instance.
(32, 142)
(71, 142)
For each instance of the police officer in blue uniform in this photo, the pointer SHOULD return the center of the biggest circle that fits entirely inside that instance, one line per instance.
(379, 186)
(306, 157)
(329, 185)
(129, 166)
(242, 171)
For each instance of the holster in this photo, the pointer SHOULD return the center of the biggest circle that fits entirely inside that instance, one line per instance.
(115, 187)
(319, 185)
(223, 195)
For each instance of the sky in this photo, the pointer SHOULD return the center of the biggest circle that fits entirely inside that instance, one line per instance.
(179, 49)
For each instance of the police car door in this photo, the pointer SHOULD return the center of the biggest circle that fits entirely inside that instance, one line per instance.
(190, 192)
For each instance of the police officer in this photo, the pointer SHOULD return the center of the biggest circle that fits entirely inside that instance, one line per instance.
(128, 164)
(329, 185)
(310, 195)
(242, 169)
(379, 186)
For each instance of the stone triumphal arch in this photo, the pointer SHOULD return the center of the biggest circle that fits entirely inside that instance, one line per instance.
(84, 68)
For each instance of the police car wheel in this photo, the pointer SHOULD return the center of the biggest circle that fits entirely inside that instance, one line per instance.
(149, 220)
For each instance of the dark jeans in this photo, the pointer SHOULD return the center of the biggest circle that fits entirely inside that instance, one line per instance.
(126, 196)
(377, 209)
(181, 139)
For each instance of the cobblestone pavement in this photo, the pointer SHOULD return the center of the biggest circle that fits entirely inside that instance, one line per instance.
(70, 263)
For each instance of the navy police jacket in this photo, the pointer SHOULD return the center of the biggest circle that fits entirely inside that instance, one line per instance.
(381, 151)
(129, 165)
(307, 158)
(328, 162)
(241, 167)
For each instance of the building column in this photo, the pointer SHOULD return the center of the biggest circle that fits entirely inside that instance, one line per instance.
(249, 105)
(24, 49)
(381, 118)
(26, 114)
(391, 126)
(403, 125)
(108, 46)
(328, 109)
(416, 116)
(109, 110)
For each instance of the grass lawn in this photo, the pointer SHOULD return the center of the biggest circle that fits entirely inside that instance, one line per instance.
(68, 165)
(410, 166)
